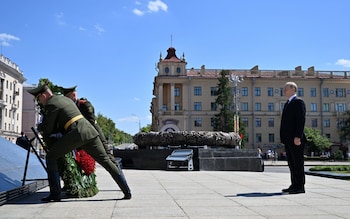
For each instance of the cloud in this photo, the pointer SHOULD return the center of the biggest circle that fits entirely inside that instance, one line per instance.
(153, 7)
(138, 12)
(343, 62)
(6, 38)
(59, 18)
(82, 28)
(99, 28)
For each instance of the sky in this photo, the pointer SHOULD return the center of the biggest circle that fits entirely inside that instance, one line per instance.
(110, 48)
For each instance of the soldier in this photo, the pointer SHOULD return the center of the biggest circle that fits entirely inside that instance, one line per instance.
(60, 115)
(88, 111)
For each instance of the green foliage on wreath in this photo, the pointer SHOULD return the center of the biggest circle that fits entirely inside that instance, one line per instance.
(76, 184)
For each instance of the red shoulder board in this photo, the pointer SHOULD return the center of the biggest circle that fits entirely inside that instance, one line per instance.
(81, 101)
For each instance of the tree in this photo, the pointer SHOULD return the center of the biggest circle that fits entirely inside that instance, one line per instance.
(112, 134)
(146, 128)
(223, 121)
(315, 141)
(345, 129)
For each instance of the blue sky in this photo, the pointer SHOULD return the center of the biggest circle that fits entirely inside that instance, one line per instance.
(109, 48)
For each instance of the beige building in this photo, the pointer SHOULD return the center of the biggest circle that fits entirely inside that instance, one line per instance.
(11, 83)
(184, 99)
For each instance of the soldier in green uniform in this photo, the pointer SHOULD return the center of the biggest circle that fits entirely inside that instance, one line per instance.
(88, 111)
(60, 115)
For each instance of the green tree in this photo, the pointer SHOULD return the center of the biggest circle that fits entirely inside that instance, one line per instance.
(345, 129)
(315, 141)
(146, 128)
(112, 134)
(223, 121)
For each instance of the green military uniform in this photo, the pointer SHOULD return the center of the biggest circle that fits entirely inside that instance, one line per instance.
(87, 109)
(60, 114)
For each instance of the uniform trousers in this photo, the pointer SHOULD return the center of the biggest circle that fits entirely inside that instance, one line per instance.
(75, 139)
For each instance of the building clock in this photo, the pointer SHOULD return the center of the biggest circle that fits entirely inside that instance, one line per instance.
(166, 70)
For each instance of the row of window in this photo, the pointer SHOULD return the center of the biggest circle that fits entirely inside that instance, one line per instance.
(271, 122)
(339, 92)
(197, 106)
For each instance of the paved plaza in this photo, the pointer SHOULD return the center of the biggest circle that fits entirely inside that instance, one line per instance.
(195, 194)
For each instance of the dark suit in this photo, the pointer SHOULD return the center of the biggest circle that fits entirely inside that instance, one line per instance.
(292, 125)
(57, 117)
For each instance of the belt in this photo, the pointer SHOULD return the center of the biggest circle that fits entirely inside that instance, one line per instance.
(75, 118)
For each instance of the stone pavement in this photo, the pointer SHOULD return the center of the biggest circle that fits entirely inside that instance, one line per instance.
(195, 194)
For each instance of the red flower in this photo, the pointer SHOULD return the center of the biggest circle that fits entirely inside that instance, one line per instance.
(85, 161)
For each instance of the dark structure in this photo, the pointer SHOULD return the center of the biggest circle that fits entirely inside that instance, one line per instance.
(184, 138)
(211, 151)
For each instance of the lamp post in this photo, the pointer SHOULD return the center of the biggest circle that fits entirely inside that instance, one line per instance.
(235, 79)
(139, 121)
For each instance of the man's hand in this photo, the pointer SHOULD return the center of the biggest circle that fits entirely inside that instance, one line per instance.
(297, 141)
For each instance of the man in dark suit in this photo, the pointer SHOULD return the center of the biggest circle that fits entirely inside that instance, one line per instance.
(293, 137)
(61, 115)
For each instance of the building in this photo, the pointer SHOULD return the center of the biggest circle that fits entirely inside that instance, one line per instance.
(11, 95)
(184, 99)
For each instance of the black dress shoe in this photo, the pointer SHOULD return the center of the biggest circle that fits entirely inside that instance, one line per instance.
(51, 198)
(296, 191)
(127, 196)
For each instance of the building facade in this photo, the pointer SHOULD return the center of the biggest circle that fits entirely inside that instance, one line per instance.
(11, 95)
(184, 99)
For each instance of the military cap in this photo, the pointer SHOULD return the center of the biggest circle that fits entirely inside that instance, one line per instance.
(38, 90)
(68, 90)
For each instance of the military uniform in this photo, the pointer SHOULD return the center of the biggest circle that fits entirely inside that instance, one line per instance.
(88, 111)
(60, 114)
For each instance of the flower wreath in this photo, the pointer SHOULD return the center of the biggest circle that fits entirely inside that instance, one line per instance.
(85, 161)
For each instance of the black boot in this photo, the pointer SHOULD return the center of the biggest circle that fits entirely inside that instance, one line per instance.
(121, 181)
(55, 187)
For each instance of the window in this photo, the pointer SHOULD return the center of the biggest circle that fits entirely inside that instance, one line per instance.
(271, 107)
(313, 92)
(327, 123)
(197, 106)
(165, 108)
(213, 106)
(244, 91)
(340, 123)
(257, 91)
(340, 92)
(178, 70)
(177, 92)
(197, 122)
(245, 121)
(177, 106)
(244, 106)
(258, 106)
(340, 107)
(326, 107)
(271, 122)
(166, 70)
(197, 91)
(213, 91)
(313, 123)
(300, 92)
(258, 138)
(270, 91)
(212, 122)
(258, 122)
(325, 92)
(313, 107)
(271, 137)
